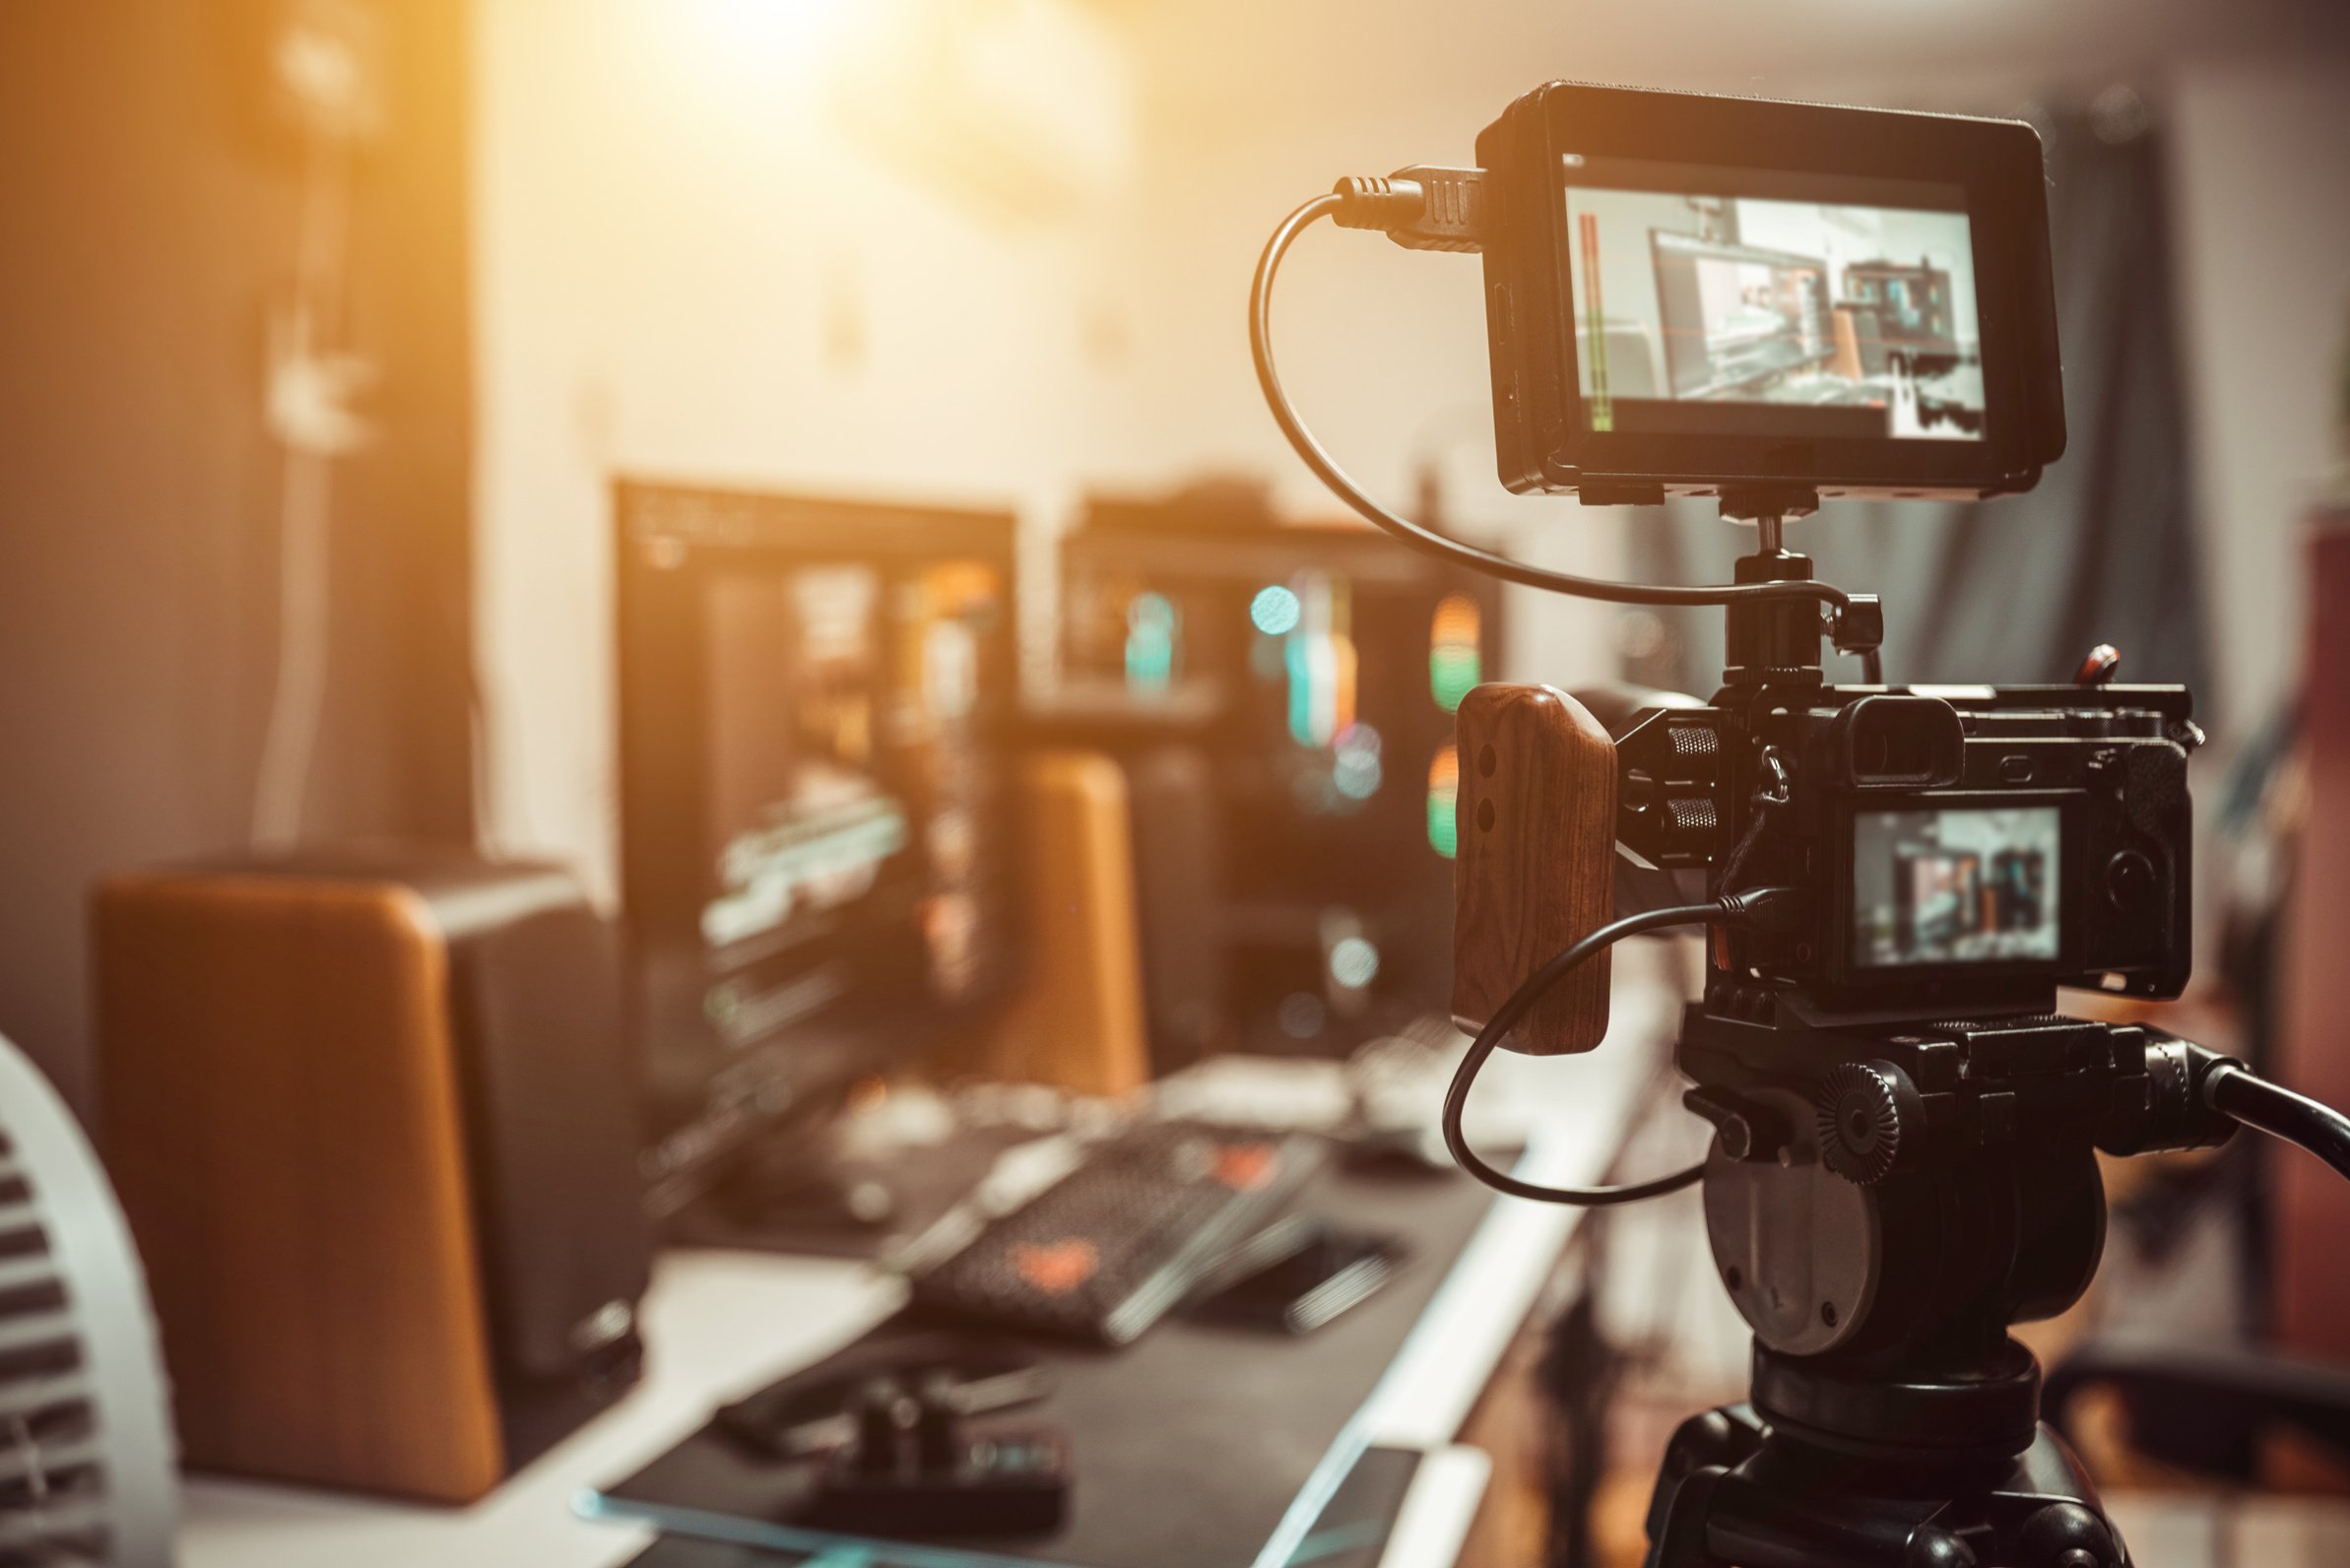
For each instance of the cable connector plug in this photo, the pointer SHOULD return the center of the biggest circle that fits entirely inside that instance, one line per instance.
(1421, 207)
(1762, 908)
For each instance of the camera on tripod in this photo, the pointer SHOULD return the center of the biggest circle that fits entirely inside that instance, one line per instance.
(1769, 303)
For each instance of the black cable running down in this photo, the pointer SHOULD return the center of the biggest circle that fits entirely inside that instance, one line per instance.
(2279, 1112)
(1722, 911)
(1326, 469)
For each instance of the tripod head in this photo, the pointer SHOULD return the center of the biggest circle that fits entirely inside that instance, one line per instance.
(1884, 1201)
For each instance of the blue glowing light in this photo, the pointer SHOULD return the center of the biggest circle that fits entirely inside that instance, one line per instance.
(1353, 962)
(1275, 611)
(1152, 627)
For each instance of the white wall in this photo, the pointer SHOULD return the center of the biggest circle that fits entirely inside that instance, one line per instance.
(684, 268)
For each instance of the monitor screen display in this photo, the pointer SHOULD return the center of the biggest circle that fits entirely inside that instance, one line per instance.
(841, 789)
(1956, 885)
(815, 809)
(1704, 306)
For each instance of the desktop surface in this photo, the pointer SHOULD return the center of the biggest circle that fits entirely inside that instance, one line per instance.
(1193, 1411)
(720, 1326)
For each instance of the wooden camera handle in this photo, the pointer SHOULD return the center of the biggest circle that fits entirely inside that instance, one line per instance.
(1536, 861)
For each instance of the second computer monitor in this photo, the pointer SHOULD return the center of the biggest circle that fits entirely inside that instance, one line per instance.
(1309, 676)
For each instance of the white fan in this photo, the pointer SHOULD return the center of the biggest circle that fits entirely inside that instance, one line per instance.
(86, 1450)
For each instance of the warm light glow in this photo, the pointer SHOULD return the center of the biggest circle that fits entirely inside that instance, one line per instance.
(1021, 109)
(761, 30)
(744, 68)
(1321, 658)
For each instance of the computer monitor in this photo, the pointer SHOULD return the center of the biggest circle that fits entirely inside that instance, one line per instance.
(815, 807)
(1312, 672)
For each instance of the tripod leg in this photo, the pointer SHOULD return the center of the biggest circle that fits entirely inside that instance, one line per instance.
(1680, 1542)
(1702, 1449)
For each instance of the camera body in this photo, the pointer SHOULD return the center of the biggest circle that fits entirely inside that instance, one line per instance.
(1686, 292)
(1964, 848)
(1962, 851)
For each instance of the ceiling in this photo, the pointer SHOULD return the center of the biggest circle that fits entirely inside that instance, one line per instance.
(1219, 64)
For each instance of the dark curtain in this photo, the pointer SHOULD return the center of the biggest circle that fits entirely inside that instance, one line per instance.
(2104, 549)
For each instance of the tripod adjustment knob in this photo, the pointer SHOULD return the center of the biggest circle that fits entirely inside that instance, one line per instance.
(1870, 1120)
(1748, 1130)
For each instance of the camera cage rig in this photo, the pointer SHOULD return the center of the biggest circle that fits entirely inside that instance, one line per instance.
(1888, 1190)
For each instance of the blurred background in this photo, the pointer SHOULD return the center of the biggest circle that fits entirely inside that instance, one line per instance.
(349, 348)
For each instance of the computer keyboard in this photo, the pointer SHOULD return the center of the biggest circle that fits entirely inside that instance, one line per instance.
(1107, 1250)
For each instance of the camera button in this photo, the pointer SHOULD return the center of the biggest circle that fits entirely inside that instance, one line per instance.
(2128, 879)
(2015, 770)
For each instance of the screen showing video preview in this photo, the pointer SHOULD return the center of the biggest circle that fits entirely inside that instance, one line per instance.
(848, 787)
(1971, 885)
(1850, 314)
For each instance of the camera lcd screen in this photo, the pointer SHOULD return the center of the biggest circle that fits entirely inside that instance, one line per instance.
(1960, 885)
(1714, 301)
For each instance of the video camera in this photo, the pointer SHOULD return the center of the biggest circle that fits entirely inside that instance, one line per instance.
(1955, 848)
(1769, 303)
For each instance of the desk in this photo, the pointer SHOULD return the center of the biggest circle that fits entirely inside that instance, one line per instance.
(719, 1325)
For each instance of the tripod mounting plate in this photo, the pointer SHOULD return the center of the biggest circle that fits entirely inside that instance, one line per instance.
(1796, 1245)
(1986, 1414)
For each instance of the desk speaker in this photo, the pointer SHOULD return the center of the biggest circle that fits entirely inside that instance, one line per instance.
(370, 1118)
(1077, 1019)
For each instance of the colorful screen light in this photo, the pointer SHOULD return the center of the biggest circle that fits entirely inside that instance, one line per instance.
(1455, 662)
(1444, 793)
(1152, 625)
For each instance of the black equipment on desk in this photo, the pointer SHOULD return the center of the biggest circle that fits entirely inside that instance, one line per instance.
(810, 1413)
(1110, 1248)
(1298, 1276)
(913, 1465)
(880, 1440)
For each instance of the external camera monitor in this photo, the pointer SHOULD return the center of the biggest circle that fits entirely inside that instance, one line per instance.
(1688, 294)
